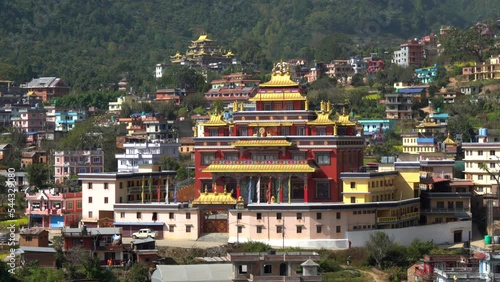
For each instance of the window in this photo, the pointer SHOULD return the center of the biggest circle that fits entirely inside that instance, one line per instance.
(57, 160)
(492, 152)
(299, 156)
(90, 200)
(267, 107)
(319, 229)
(188, 215)
(97, 170)
(243, 269)
(299, 228)
(238, 216)
(188, 228)
(69, 205)
(440, 205)
(231, 156)
(106, 186)
(259, 228)
(279, 229)
(301, 131)
(492, 177)
(155, 216)
(323, 159)
(285, 131)
(321, 131)
(278, 216)
(299, 216)
(480, 177)
(121, 185)
(207, 158)
(492, 165)
(105, 200)
(28, 239)
(240, 229)
(459, 205)
(337, 229)
(90, 185)
(90, 214)
(318, 215)
(259, 216)
(139, 215)
(338, 215)
(82, 170)
(171, 215)
(214, 132)
(353, 200)
(323, 190)
(480, 153)
(353, 185)
(171, 228)
(97, 159)
(268, 269)
(79, 205)
(243, 131)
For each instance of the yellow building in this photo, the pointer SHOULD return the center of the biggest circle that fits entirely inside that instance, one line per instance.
(203, 51)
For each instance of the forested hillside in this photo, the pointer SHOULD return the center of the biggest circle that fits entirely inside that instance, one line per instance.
(92, 43)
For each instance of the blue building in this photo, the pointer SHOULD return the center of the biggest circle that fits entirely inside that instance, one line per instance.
(374, 129)
(429, 74)
(66, 120)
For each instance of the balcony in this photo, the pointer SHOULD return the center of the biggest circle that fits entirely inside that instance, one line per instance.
(410, 215)
(445, 210)
(387, 219)
(45, 211)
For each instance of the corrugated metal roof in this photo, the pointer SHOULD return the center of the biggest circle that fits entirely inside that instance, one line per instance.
(38, 249)
(193, 273)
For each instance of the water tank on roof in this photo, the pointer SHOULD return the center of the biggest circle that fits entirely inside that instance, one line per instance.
(483, 132)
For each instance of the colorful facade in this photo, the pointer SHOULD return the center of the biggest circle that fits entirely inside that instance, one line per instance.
(47, 88)
(51, 209)
(67, 120)
(30, 120)
(281, 152)
(71, 163)
(410, 53)
(203, 51)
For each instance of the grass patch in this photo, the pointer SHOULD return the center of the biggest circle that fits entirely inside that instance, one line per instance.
(345, 275)
(17, 222)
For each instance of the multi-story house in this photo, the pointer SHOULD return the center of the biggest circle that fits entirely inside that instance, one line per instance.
(47, 88)
(448, 96)
(375, 65)
(399, 105)
(374, 129)
(33, 157)
(67, 120)
(149, 185)
(159, 140)
(30, 120)
(482, 163)
(50, 121)
(358, 64)
(483, 70)
(53, 209)
(71, 163)
(341, 70)
(235, 87)
(171, 95)
(116, 106)
(104, 243)
(428, 75)
(410, 53)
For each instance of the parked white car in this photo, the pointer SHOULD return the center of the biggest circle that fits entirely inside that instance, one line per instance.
(144, 233)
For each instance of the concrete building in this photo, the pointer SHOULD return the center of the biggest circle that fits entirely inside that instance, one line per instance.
(31, 120)
(72, 163)
(66, 120)
(53, 209)
(47, 88)
(410, 53)
(116, 106)
(482, 163)
(235, 87)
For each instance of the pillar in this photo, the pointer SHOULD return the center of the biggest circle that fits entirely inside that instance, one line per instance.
(238, 188)
(281, 191)
(306, 192)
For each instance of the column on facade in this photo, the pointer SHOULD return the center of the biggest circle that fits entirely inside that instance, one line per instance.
(306, 192)
(280, 199)
(238, 188)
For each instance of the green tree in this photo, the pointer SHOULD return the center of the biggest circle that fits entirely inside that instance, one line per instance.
(357, 80)
(38, 174)
(466, 44)
(5, 275)
(138, 273)
(379, 245)
(336, 46)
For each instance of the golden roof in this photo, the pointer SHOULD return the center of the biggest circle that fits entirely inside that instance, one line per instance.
(215, 198)
(449, 141)
(202, 38)
(427, 123)
(228, 54)
(246, 166)
(30, 93)
(262, 143)
(176, 56)
(280, 77)
(216, 119)
(344, 119)
(323, 115)
(286, 96)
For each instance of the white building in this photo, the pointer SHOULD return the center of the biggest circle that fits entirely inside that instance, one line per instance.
(101, 191)
(482, 162)
(160, 70)
(146, 153)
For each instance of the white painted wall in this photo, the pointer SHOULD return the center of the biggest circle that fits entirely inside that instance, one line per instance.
(438, 233)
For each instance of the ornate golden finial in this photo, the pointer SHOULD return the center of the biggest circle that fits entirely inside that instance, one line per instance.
(343, 111)
(306, 106)
(225, 189)
(321, 105)
(240, 199)
(195, 131)
(328, 106)
(273, 199)
(241, 107)
(448, 134)
(235, 106)
(206, 191)
(335, 130)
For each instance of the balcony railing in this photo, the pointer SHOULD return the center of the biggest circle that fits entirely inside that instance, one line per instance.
(445, 210)
(385, 219)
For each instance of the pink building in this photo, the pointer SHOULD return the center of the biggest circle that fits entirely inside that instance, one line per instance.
(52, 209)
(70, 163)
(30, 120)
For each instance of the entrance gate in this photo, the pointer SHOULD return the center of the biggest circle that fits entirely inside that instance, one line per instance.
(215, 221)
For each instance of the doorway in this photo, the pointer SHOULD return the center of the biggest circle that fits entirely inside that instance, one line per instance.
(457, 236)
